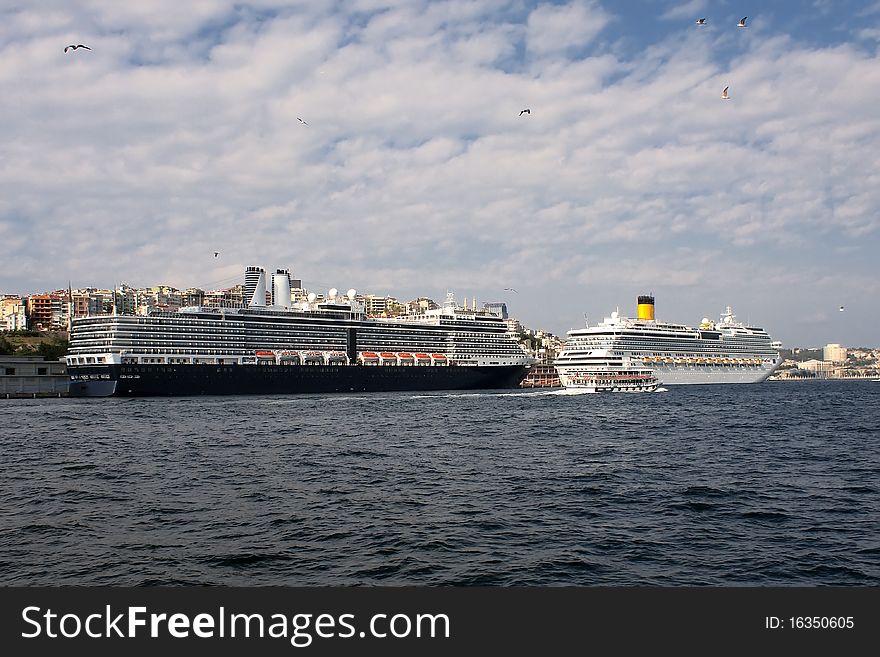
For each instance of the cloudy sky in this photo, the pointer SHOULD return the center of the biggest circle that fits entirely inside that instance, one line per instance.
(176, 136)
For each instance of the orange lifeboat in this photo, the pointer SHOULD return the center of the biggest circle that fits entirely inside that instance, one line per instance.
(439, 356)
(265, 354)
(405, 356)
(369, 354)
(423, 357)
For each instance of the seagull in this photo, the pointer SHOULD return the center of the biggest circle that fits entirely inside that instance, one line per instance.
(701, 21)
(724, 95)
(742, 22)
(216, 254)
(72, 47)
(841, 309)
(511, 289)
(301, 121)
(526, 111)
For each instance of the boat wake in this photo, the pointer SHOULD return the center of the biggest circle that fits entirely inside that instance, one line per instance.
(572, 391)
(661, 389)
(457, 395)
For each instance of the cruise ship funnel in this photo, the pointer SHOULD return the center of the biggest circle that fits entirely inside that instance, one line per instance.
(255, 283)
(646, 307)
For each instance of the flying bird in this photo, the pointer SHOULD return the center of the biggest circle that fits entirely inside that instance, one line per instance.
(526, 111)
(701, 21)
(301, 121)
(511, 289)
(742, 22)
(216, 254)
(72, 47)
(841, 309)
(724, 95)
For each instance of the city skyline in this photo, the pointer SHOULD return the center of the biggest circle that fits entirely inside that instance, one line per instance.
(241, 287)
(171, 153)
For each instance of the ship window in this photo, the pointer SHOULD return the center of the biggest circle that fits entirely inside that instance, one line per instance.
(10, 371)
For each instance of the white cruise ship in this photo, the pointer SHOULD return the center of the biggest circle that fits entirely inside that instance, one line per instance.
(726, 351)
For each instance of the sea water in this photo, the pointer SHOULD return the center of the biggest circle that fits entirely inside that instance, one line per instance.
(769, 484)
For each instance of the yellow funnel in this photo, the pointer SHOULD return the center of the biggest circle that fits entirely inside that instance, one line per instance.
(646, 307)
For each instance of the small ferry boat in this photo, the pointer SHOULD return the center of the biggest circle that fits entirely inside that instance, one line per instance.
(612, 379)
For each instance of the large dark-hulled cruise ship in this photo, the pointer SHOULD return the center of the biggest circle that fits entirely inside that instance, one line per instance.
(311, 347)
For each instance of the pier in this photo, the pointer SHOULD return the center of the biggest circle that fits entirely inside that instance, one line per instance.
(23, 377)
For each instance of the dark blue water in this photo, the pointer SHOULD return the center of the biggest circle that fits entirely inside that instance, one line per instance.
(771, 484)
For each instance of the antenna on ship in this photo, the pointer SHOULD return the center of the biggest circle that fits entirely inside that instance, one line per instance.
(69, 306)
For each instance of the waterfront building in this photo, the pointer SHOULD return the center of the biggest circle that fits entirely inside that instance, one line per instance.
(420, 305)
(819, 367)
(376, 305)
(226, 298)
(160, 297)
(193, 296)
(26, 376)
(298, 294)
(793, 373)
(13, 315)
(497, 308)
(90, 301)
(47, 312)
(514, 326)
(834, 353)
(124, 300)
(80, 304)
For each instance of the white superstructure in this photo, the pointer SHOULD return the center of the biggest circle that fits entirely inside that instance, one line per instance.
(327, 332)
(726, 351)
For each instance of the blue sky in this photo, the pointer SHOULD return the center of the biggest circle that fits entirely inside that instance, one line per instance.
(176, 135)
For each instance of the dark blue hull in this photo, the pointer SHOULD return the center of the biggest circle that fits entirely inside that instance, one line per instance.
(189, 380)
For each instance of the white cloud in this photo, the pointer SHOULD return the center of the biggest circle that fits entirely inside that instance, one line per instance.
(416, 172)
(690, 9)
(557, 28)
(869, 33)
(873, 8)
